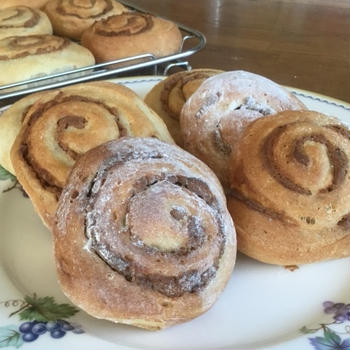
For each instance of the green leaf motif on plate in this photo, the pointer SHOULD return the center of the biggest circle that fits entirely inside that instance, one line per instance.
(45, 309)
(306, 330)
(6, 175)
(9, 336)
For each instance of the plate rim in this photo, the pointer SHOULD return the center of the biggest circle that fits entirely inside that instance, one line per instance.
(305, 93)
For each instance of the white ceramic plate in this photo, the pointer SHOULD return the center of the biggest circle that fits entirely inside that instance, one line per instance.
(263, 307)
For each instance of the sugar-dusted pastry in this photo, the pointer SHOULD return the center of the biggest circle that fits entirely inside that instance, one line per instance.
(131, 34)
(290, 189)
(63, 124)
(216, 114)
(169, 95)
(31, 56)
(142, 234)
(70, 18)
(29, 3)
(22, 20)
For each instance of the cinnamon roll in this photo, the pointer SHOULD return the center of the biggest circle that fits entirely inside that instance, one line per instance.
(63, 124)
(213, 118)
(26, 57)
(71, 17)
(22, 20)
(168, 96)
(131, 34)
(290, 194)
(142, 234)
(32, 3)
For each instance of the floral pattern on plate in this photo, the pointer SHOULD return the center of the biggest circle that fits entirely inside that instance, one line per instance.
(41, 315)
(331, 339)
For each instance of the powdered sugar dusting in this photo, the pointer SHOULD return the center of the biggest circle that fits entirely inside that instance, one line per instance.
(236, 98)
(134, 171)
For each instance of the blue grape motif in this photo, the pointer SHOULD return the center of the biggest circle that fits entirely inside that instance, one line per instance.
(331, 340)
(26, 327)
(340, 311)
(57, 333)
(40, 315)
(29, 337)
(31, 331)
(40, 328)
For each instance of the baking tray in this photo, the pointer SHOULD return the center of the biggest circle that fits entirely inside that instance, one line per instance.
(192, 41)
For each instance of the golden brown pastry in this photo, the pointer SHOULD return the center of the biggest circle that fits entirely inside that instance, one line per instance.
(10, 123)
(31, 56)
(168, 96)
(143, 235)
(131, 34)
(216, 114)
(71, 17)
(63, 124)
(29, 3)
(22, 20)
(290, 195)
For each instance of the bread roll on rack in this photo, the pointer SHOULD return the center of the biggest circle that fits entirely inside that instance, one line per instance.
(131, 34)
(71, 18)
(22, 20)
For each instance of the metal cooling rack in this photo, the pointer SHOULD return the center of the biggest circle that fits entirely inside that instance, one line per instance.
(192, 41)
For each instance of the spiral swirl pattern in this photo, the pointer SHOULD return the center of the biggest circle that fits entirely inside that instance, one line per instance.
(64, 124)
(71, 17)
(18, 17)
(130, 34)
(22, 46)
(23, 21)
(126, 24)
(164, 228)
(293, 170)
(213, 119)
(169, 95)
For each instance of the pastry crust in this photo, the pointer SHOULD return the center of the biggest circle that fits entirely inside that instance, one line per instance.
(290, 189)
(142, 234)
(26, 57)
(10, 123)
(213, 119)
(22, 20)
(71, 18)
(63, 124)
(29, 3)
(168, 96)
(131, 34)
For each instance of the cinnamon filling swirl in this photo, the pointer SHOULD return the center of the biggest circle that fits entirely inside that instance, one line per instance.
(337, 158)
(124, 25)
(345, 222)
(126, 242)
(22, 46)
(254, 205)
(64, 122)
(181, 88)
(21, 18)
(76, 8)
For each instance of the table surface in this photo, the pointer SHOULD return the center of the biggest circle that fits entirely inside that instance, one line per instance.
(299, 43)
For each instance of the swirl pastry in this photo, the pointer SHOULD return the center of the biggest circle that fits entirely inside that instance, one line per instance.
(131, 34)
(64, 124)
(10, 124)
(168, 96)
(22, 21)
(71, 17)
(290, 194)
(26, 57)
(216, 114)
(32, 3)
(164, 247)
